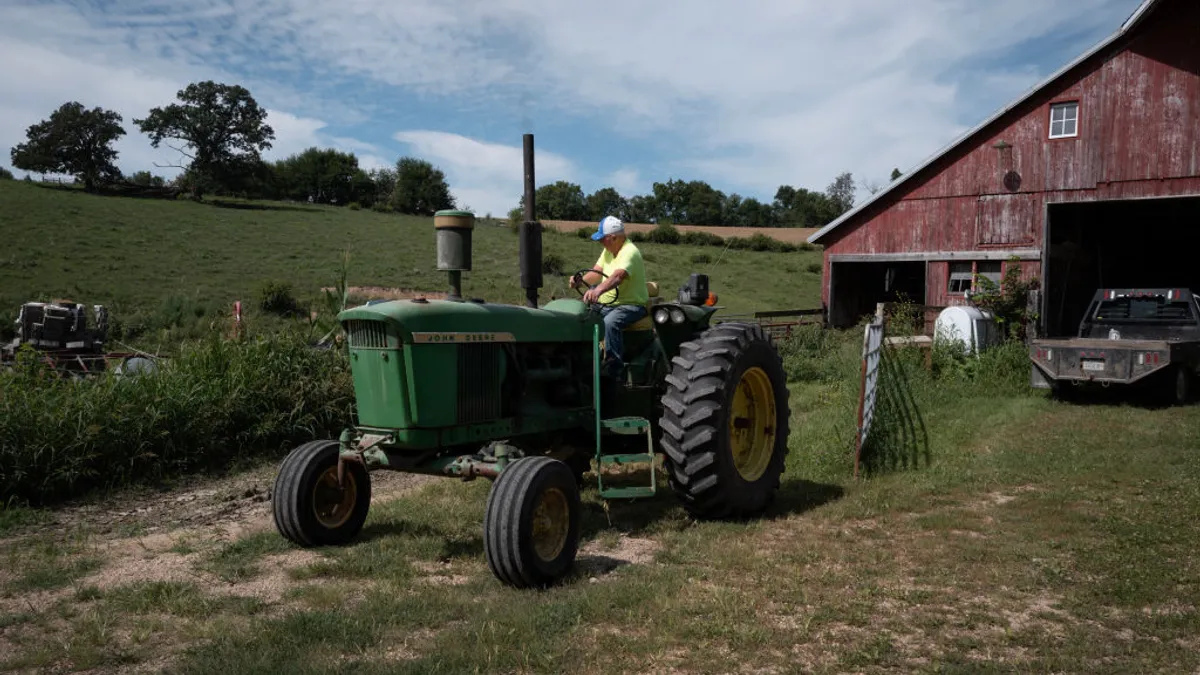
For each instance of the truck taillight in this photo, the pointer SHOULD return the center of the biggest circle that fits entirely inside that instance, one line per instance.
(1148, 358)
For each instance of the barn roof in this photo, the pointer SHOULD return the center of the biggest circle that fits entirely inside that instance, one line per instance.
(1133, 21)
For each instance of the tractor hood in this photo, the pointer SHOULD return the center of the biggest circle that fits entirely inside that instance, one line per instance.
(425, 321)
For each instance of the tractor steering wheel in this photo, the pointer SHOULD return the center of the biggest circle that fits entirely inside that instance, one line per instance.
(587, 270)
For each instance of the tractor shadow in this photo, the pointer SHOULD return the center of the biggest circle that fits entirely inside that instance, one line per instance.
(639, 522)
(402, 532)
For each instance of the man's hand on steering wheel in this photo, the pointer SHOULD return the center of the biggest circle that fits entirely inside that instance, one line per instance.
(592, 295)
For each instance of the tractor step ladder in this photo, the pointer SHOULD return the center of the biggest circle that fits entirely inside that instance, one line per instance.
(619, 425)
(629, 426)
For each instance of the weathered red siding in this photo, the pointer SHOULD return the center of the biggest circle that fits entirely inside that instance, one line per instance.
(1139, 136)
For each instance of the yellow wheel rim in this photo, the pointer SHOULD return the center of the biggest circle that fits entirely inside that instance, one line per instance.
(331, 503)
(752, 424)
(551, 520)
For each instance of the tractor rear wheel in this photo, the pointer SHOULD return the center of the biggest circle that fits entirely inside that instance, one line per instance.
(309, 506)
(725, 422)
(531, 523)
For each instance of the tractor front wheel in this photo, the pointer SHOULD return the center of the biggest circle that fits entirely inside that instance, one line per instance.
(531, 523)
(310, 507)
(725, 422)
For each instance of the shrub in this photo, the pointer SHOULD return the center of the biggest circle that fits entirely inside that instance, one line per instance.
(814, 268)
(516, 216)
(5, 174)
(585, 233)
(664, 233)
(1008, 301)
(277, 298)
(354, 206)
(701, 259)
(382, 207)
(701, 238)
(553, 264)
(638, 237)
(737, 243)
(217, 403)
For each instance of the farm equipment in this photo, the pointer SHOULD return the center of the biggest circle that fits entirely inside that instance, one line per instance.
(467, 388)
(60, 335)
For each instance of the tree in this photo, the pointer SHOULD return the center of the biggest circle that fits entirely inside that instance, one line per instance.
(803, 208)
(421, 188)
(607, 201)
(73, 141)
(146, 179)
(560, 200)
(896, 173)
(841, 193)
(327, 176)
(222, 126)
(384, 180)
(642, 209)
(5, 174)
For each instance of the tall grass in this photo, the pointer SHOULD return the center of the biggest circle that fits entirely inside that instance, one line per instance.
(216, 403)
(824, 368)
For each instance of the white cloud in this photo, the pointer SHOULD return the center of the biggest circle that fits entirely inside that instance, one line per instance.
(744, 95)
(487, 177)
(627, 181)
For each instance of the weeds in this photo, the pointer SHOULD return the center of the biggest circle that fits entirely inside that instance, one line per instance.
(217, 402)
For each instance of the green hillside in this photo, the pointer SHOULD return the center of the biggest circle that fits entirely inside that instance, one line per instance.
(176, 266)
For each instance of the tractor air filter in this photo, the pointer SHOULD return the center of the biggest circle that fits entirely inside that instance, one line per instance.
(454, 239)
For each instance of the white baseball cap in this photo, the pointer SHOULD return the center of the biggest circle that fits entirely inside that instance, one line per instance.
(609, 225)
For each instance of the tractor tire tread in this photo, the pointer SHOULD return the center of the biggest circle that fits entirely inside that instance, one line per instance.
(699, 463)
(509, 556)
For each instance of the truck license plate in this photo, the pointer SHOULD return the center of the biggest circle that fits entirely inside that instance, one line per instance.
(1091, 364)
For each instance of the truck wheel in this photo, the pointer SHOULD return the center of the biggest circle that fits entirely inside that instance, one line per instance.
(531, 523)
(725, 422)
(309, 506)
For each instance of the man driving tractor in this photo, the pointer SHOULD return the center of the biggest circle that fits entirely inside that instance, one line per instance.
(619, 267)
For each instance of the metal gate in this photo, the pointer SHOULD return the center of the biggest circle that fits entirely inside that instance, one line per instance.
(868, 391)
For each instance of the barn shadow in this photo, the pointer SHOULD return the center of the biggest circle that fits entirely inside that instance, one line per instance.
(898, 439)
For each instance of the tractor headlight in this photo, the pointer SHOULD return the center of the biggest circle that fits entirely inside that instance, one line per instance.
(661, 315)
(677, 315)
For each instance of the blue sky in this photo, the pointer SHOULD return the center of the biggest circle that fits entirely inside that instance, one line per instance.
(745, 95)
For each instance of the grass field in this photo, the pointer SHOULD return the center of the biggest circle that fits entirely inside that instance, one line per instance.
(172, 268)
(1016, 535)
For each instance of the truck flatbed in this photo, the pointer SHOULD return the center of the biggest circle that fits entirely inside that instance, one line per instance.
(1127, 336)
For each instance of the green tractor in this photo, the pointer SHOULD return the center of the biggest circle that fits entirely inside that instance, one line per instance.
(467, 388)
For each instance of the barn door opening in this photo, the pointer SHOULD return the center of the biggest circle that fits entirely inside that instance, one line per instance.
(856, 287)
(1116, 244)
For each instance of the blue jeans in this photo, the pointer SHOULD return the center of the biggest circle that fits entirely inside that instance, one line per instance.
(616, 319)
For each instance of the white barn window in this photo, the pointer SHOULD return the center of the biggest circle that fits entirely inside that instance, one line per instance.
(960, 277)
(1064, 119)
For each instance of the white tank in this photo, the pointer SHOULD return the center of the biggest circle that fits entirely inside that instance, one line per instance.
(973, 328)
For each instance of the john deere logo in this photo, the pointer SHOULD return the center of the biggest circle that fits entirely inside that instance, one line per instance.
(462, 337)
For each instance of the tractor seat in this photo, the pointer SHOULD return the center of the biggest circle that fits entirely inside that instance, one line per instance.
(646, 322)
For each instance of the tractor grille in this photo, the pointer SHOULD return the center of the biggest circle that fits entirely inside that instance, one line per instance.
(479, 382)
(367, 334)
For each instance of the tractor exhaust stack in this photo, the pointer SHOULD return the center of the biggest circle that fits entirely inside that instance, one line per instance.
(531, 234)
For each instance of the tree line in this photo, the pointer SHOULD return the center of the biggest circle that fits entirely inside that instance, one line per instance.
(219, 132)
(694, 202)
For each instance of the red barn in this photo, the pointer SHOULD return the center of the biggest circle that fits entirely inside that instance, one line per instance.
(1090, 179)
